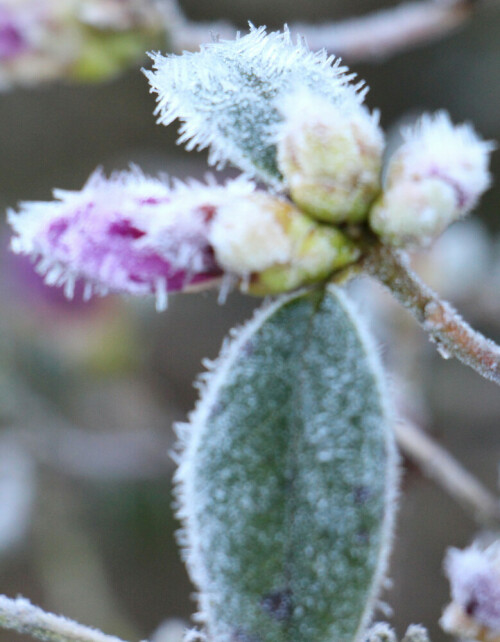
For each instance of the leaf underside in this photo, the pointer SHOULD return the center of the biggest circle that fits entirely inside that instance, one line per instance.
(286, 478)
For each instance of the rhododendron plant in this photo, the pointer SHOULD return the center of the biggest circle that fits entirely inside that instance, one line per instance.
(288, 467)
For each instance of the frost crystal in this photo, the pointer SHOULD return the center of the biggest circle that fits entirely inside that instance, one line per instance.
(437, 176)
(228, 94)
(128, 233)
(474, 575)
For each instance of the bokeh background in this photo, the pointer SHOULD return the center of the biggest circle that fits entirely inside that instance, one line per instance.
(88, 392)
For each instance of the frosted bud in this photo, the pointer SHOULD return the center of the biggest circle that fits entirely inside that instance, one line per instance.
(474, 575)
(129, 234)
(273, 247)
(436, 177)
(330, 155)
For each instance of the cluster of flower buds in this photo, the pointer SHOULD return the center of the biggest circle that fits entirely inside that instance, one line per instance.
(331, 159)
(286, 116)
(474, 575)
(87, 40)
(137, 235)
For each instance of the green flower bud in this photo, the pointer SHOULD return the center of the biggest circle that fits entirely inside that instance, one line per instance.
(273, 247)
(414, 212)
(330, 155)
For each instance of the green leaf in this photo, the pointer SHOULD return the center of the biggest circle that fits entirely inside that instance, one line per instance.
(229, 94)
(286, 483)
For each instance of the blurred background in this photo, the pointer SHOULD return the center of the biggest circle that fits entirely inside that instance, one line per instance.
(89, 392)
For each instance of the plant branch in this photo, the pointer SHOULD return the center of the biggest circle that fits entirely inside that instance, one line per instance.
(437, 464)
(21, 616)
(453, 336)
(387, 32)
(368, 38)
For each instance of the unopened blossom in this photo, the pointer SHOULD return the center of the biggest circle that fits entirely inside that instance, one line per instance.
(274, 247)
(474, 575)
(436, 176)
(137, 235)
(330, 156)
(128, 234)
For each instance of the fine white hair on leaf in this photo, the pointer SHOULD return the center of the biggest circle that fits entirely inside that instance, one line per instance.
(226, 94)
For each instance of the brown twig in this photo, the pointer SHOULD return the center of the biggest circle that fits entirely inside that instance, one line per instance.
(453, 336)
(437, 464)
(384, 33)
(368, 38)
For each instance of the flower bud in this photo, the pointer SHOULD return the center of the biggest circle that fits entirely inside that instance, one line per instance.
(128, 234)
(330, 155)
(474, 575)
(275, 248)
(436, 177)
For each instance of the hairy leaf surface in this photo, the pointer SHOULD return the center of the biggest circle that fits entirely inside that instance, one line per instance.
(287, 478)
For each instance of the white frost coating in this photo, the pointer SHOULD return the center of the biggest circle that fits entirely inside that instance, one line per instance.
(226, 94)
(192, 435)
(249, 239)
(392, 467)
(21, 616)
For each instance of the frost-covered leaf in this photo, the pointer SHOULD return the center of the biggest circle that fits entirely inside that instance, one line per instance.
(228, 94)
(287, 478)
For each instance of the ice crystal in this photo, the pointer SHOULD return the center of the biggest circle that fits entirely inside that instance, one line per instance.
(228, 94)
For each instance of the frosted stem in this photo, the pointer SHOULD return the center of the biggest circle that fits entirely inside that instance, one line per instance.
(447, 472)
(21, 616)
(384, 33)
(374, 36)
(453, 336)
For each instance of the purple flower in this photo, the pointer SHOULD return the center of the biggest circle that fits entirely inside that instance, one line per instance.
(129, 233)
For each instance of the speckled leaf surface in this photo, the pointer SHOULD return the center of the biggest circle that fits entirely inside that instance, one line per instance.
(287, 478)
